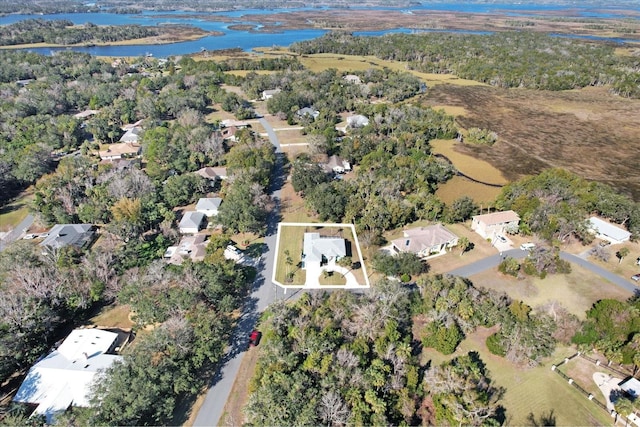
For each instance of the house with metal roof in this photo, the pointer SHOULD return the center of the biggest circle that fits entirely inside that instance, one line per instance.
(64, 377)
(607, 231)
(319, 250)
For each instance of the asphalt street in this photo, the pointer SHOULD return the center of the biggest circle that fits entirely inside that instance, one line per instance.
(264, 293)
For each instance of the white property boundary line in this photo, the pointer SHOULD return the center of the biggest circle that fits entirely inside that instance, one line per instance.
(326, 225)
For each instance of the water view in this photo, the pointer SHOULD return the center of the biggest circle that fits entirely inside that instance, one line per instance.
(246, 40)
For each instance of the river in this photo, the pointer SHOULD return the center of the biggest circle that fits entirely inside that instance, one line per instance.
(247, 40)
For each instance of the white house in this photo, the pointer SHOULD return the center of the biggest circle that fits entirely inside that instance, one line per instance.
(353, 79)
(132, 135)
(488, 225)
(357, 121)
(308, 111)
(192, 222)
(320, 250)
(425, 241)
(268, 94)
(209, 205)
(64, 377)
(336, 164)
(607, 231)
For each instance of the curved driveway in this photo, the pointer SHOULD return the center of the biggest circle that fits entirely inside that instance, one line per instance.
(264, 293)
(493, 261)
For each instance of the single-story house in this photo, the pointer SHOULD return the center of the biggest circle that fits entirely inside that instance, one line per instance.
(307, 111)
(129, 126)
(120, 151)
(61, 235)
(488, 225)
(24, 82)
(268, 94)
(213, 173)
(425, 241)
(64, 377)
(209, 205)
(352, 78)
(607, 231)
(229, 133)
(321, 250)
(336, 164)
(234, 123)
(131, 135)
(192, 222)
(357, 121)
(193, 247)
(86, 113)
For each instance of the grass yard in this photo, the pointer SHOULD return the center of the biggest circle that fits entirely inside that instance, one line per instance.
(576, 291)
(13, 213)
(291, 136)
(332, 278)
(292, 206)
(291, 238)
(535, 390)
(113, 316)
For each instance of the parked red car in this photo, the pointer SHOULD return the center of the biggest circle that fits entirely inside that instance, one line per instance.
(254, 338)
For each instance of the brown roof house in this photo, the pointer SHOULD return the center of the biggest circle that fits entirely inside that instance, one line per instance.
(193, 247)
(213, 173)
(336, 164)
(425, 241)
(120, 150)
(492, 224)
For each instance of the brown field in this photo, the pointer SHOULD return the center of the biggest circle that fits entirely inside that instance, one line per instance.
(576, 291)
(590, 132)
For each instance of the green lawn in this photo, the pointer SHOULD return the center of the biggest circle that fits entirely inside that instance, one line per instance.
(291, 239)
(11, 214)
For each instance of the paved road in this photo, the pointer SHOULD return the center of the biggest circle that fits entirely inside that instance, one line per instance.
(493, 261)
(264, 293)
(16, 233)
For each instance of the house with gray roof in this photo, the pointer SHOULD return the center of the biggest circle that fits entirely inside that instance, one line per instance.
(320, 250)
(209, 205)
(307, 111)
(61, 235)
(192, 222)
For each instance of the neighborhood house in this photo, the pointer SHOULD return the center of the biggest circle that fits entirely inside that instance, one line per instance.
(320, 250)
(213, 173)
(336, 164)
(61, 235)
(209, 205)
(425, 241)
(606, 231)
(131, 135)
(268, 94)
(192, 222)
(193, 247)
(120, 150)
(357, 121)
(492, 224)
(64, 377)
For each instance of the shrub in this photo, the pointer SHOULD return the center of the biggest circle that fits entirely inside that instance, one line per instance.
(494, 344)
(442, 338)
(509, 266)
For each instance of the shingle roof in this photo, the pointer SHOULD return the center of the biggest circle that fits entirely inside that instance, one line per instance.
(418, 239)
(208, 203)
(497, 217)
(68, 234)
